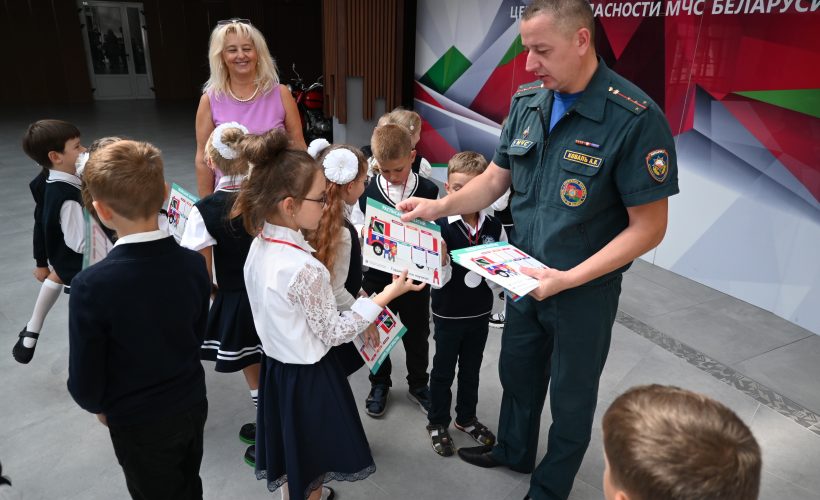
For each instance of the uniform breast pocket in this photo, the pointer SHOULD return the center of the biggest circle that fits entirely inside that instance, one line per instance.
(524, 157)
(576, 181)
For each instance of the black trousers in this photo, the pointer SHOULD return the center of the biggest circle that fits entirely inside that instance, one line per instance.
(458, 342)
(161, 459)
(562, 343)
(414, 311)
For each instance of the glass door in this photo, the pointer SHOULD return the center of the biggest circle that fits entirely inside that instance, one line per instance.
(117, 50)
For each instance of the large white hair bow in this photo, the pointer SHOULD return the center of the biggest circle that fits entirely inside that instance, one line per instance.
(317, 146)
(341, 166)
(223, 149)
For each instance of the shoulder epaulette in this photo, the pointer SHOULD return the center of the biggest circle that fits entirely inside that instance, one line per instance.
(635, 105)
(528, 89)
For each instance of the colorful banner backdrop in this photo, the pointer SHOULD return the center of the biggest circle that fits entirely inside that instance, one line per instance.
(739, 81)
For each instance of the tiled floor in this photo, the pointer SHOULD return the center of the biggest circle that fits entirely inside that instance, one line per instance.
(670, 330)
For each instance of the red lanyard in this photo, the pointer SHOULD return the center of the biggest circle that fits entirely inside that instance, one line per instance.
(472, 241)
(272, 240)
(387, 191)
(232, 187)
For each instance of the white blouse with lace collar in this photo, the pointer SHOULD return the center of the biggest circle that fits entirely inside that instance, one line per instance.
(292, 301)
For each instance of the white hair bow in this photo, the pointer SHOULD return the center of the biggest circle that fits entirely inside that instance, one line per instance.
(223, 149)
(341, 166)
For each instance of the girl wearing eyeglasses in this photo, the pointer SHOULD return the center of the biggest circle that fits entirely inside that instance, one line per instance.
(308, 427)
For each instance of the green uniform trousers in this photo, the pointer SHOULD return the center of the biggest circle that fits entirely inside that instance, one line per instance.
(563, 342)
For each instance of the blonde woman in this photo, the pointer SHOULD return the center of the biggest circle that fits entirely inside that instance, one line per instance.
(243, 87)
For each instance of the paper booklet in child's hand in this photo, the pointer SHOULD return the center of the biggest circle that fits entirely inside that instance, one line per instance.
(180, 203)
(390, 245)
(97, 244)
(390, 329)
(500, 263)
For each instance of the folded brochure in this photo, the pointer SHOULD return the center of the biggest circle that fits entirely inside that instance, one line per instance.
(390, 329)
(180, 203)
(391, 245)
(501, 263)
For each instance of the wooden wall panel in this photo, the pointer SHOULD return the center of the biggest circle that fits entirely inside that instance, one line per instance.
(367, 39)
(42, 51)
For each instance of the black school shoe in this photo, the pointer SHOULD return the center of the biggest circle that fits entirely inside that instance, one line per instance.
(420, 396)
(481, 456)
(21, 353)
(250, 455)
(376, 402)
(247, 434)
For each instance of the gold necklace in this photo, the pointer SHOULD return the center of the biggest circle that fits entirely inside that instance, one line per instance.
(246, 99)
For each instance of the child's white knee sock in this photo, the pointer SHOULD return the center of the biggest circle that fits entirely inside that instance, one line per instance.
(49, 293)
(255, 397)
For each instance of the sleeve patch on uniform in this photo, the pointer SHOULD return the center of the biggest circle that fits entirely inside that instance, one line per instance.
(657, 164)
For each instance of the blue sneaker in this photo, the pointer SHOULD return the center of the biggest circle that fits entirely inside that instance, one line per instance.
(376, 402)
(420, 396)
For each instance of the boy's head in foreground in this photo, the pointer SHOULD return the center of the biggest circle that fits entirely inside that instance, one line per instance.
(670, 443)
(53, 144)
(126, 182)
(393, 150)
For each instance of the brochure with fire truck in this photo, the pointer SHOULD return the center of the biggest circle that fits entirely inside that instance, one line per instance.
(97, 244)
(390, 329)
(392, 246)
(500, 263)
(180, 203)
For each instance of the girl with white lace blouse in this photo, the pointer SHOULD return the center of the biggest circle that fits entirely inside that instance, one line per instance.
(301, 389)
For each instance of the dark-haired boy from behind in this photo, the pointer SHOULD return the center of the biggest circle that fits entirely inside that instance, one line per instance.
(393, 150)
(59, 227)
(136, 323)
(667, 442)
(461, 316)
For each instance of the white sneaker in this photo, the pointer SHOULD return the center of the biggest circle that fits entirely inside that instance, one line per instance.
(497, 320)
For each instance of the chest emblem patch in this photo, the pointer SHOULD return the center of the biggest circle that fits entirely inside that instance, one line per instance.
(525, 133)
(657, 163)
(573, 192)
(583, 159)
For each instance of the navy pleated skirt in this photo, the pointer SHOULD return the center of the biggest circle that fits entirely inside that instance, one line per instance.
(308, 430)
(230, 337)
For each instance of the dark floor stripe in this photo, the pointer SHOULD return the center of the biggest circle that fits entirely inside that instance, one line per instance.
(757, 391)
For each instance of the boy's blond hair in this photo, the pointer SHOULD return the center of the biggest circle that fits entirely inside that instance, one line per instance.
(404, 117)
(667, 442)
(467, 162)
(390, 142)
(128, 177)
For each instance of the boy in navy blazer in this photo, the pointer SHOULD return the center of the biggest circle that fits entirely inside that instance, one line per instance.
(136, 322)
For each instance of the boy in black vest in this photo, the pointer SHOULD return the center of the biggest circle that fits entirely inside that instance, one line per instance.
(395, 182)
(136, 323)
(59, 227)
(461, 315)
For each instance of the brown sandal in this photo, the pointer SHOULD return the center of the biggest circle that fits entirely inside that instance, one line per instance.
(441, 440)
(477, 431)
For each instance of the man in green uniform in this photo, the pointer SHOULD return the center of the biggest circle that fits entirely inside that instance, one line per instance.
(591, 161)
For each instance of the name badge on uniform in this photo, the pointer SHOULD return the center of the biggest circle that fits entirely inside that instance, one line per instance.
(583, 159)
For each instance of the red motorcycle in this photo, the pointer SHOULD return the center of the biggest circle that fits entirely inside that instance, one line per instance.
(310, 100)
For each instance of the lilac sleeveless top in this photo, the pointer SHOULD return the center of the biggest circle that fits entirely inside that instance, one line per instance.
(261, 114)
